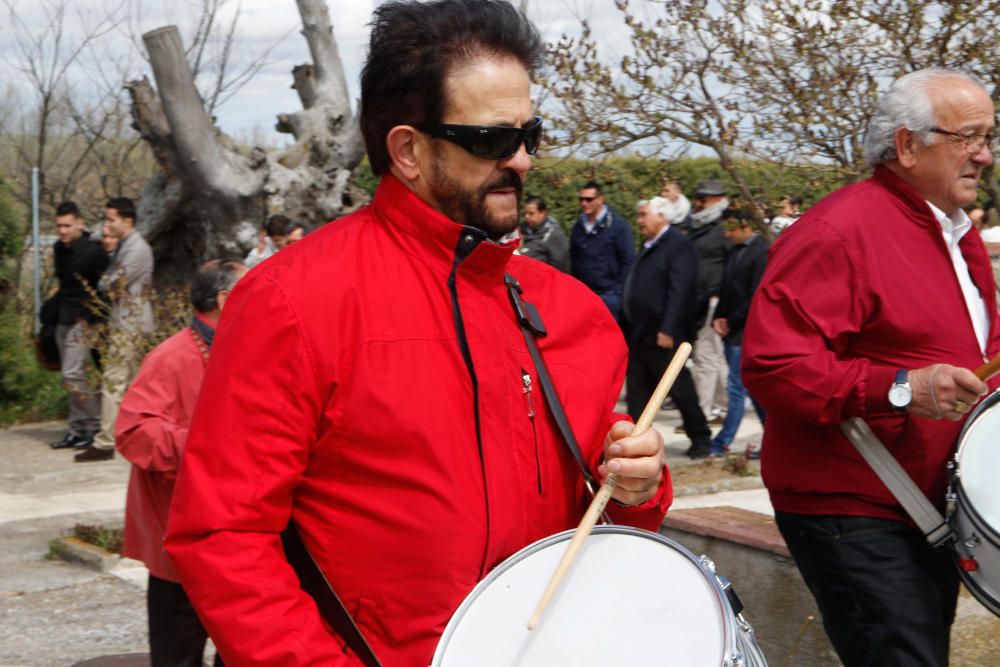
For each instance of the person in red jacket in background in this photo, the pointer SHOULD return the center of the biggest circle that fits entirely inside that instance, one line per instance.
(151, 432)
(876, 304)
(372, 384)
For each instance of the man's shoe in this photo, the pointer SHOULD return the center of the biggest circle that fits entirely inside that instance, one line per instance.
(679, 429)
(752, 452)
(717, 420)
(72, 440)
(699, 452)
(92, 453)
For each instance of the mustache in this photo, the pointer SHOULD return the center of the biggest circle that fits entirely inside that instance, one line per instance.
(508, 178)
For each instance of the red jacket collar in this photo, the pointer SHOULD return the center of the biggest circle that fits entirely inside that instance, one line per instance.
(434, 237)
(907, 196)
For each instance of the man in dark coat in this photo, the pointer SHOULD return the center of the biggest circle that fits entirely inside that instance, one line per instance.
(79, 262)
(658, 315)
(705, 231)
(601, 248)
(744, 269)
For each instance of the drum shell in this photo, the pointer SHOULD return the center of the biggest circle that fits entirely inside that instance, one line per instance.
(977, 539)
(509, 636)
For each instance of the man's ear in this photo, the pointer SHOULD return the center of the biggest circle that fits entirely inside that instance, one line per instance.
(405, 146)
(906, 144)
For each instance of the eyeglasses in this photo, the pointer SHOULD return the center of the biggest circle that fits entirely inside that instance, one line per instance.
(973, 142)
(587, 199)
(491, 142)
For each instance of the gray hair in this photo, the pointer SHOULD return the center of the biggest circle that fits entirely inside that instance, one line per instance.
(660, 206)
(906, 104)
(214, 276)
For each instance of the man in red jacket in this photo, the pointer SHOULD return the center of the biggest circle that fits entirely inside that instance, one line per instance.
(151, 432)
(372, 384)
(876, 304)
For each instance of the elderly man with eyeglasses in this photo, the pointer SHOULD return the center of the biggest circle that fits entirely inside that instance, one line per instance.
(402, 428)
(876, 304)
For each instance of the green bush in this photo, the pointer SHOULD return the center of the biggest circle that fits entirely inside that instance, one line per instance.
(627, 180)
(27, 391)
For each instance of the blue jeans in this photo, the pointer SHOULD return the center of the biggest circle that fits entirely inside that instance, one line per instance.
(736, 394)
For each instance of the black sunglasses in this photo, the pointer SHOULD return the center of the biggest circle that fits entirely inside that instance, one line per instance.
(588, 199)
(492, 142)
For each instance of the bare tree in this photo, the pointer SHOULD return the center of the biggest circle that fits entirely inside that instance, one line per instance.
(792, 82)
(210, 196)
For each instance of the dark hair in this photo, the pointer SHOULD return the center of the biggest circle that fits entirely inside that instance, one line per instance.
(298, 224)
(277, 225)
(537, 201)
(214, 276)
(593, 185)
(415, 45)
(67, 208)
(124, 206)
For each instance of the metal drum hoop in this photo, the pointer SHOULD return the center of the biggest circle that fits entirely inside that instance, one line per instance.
(734, 626)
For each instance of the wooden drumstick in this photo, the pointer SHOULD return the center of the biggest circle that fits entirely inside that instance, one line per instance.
(603, 494)
(988, 370)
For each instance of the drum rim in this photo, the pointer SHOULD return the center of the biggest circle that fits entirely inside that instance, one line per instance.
(983, 406)
(965, 506)
(728, 617)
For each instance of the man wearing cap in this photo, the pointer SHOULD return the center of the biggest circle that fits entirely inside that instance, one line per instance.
(875, 305)
(705, 231)
(601, 248)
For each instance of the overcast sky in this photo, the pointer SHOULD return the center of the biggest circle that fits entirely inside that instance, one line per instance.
(263, 25)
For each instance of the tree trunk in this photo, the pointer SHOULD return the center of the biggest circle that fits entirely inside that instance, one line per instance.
(210, 198)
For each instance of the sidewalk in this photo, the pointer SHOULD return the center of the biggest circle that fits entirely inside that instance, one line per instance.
(56, 614)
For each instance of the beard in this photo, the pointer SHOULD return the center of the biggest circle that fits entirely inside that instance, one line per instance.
(468, 206)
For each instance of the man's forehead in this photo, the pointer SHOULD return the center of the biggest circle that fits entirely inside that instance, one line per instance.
(488, 90)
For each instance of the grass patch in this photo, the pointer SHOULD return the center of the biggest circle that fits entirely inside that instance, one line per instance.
(109, 539)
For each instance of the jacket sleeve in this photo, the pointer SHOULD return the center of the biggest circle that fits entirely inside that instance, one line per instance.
(559, 249)
(810, 303)
(681, 270)
(249, 444)
(624, 252)
(147, 432)
(737, 310)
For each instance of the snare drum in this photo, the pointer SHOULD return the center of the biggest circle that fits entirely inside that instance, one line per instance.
(974, 503)
(631, 598)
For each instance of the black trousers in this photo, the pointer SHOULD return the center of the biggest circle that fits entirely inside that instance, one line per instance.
(886, 597)
(646, 364)
(176, 636)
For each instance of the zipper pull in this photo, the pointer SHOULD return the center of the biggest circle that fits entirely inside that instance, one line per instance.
(526, 383)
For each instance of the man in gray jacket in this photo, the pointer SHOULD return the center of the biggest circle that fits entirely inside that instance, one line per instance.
(541, 236)
(126, 283)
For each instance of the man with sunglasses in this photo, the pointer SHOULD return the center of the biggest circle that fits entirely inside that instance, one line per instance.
(601, 248)
(875, 304)
(402, 429)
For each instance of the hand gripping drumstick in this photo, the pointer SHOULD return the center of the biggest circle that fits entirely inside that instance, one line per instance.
(603, 494)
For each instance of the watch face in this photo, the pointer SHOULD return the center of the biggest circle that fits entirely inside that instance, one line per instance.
(900, 395)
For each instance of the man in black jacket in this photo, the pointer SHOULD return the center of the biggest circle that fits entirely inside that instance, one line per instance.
(79, 261)
(703, 228)
(659, 314)
(744, 269)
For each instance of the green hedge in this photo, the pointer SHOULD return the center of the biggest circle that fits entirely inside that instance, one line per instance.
(627, 180)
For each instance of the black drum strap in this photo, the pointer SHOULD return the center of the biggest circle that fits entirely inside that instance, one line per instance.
(532, 326)
(331, 607)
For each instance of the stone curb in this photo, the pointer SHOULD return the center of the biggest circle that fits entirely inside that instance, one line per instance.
(75, 550)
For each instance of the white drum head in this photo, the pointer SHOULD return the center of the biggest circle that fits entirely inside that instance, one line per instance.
(979, 465)
(630, 599)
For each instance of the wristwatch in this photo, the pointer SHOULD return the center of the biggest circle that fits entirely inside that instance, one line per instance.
(900, 393)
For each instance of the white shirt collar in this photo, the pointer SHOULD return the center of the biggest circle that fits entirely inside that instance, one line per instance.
(651, 242)
(953, 226)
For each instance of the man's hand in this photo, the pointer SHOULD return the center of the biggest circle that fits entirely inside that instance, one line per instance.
(938, 389)
(637, 461)
(721, 326)
(664, 341)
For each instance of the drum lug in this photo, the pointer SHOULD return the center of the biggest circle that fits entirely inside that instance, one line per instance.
(734, 599)
(707, 562)
(734, 660)
(973, 542)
